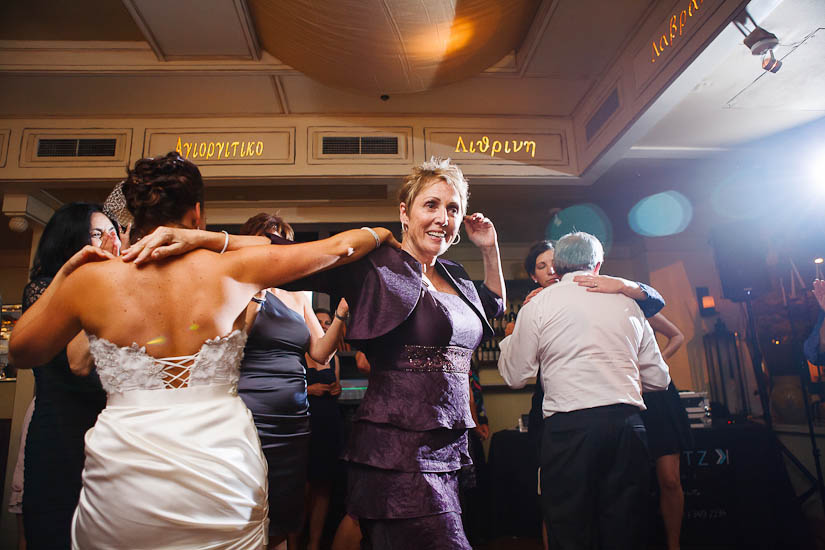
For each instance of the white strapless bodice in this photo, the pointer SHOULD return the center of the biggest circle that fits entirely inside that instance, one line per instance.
(178, 468)
(123, 369)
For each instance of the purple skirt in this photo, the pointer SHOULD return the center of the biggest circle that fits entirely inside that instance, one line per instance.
(399, 505)
(438, 532)
(374, 493)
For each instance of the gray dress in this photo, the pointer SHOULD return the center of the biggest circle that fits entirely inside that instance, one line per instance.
(273, 386)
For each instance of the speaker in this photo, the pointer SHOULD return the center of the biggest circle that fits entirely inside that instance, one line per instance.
(740, 253)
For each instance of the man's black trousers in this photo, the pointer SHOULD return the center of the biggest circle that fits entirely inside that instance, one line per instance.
(594, 479)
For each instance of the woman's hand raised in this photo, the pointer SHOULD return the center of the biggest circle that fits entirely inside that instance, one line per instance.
(110, 243)
(480, 230)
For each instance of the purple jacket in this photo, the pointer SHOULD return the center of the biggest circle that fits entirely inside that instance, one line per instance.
(383, 288)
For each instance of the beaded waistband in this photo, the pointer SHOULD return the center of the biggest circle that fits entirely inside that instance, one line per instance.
(434, 359)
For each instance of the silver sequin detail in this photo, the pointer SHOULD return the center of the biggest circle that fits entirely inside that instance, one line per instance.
(436, 359)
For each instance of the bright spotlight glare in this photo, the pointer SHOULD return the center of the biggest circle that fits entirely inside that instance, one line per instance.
(818, 260)
(817, 171)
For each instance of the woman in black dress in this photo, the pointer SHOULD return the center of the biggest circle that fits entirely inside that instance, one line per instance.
(273, 384)
(67, 405)
(323, 387)
(668, 434)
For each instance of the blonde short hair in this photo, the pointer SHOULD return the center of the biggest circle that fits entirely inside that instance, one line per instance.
(434, 169)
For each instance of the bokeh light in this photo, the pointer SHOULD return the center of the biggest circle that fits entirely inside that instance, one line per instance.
(817, 171)
(585, 217)
(661, 214)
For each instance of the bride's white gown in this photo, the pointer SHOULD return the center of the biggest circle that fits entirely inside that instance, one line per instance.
(172, 467)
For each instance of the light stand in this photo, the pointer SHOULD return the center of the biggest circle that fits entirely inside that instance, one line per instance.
(756, 358)
(724, 370)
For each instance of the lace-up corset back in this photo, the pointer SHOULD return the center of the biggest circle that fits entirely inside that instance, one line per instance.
(122, 369)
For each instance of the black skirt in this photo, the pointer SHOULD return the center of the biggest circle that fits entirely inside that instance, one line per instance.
(667, 424)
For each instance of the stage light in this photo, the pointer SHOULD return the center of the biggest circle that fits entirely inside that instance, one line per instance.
(770, 63)
(818, 261)
(758, 40)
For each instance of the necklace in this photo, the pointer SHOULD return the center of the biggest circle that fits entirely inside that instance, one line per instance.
(427, 282)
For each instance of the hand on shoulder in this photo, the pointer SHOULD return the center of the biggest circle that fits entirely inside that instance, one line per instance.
(162, 243)
(604, 284)
(532, 295)
(85, 255)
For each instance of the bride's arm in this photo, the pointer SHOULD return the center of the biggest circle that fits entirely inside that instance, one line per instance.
(275, 265)
(174, 241)
(53, 321)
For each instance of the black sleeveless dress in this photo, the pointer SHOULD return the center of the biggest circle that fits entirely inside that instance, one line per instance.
(66, 407)
(273, 386)
(325, 421)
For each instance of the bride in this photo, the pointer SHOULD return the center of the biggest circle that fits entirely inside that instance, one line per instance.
(174, 460)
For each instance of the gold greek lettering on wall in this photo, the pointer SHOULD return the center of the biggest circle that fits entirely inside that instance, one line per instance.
(494, 147)
(675, 29)
(219, 150)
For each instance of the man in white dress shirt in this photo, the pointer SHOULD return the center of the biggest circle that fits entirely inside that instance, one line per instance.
(596, 354)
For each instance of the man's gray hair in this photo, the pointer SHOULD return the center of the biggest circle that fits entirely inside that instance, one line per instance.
(577, 252)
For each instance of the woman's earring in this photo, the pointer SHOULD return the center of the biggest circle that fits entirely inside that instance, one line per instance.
(457, 238)
(404, 227)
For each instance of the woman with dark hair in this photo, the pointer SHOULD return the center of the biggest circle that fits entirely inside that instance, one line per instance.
(283, 331)
(539, 264)
(66, 405)
(174, 460)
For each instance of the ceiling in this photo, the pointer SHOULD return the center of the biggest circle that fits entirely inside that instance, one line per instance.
(102, 58)
(115, 69)
(736, 101)
(555, 61)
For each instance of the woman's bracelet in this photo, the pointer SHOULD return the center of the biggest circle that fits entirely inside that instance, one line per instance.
(342, 318)
(374, 236)
(225, 241)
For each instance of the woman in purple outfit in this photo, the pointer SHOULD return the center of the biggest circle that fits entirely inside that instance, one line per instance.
(409, 438)
(418, 319)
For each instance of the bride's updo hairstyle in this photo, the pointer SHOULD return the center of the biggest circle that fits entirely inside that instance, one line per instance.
(160, 191)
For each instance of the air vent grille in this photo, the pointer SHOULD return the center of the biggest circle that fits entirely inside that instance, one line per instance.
(96, 147)
(51, 148)
(379, 145)
(342, 145)
(57, 148)
(602, 115)
(365, 145)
